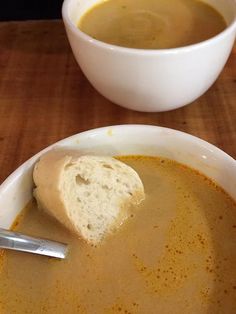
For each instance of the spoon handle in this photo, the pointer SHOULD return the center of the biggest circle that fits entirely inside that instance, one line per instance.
(20, 242)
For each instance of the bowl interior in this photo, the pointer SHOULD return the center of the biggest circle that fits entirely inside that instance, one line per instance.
(16, 190)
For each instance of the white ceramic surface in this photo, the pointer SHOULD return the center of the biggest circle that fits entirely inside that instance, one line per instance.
(150, 80)
(16, 191)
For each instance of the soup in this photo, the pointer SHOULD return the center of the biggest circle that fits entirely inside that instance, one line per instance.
(175, 254)
(152, 24)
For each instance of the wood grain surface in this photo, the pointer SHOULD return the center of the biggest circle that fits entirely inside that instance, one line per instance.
(44, 97)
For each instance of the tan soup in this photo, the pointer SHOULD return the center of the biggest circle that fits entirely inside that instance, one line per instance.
(152, 24)
(176, 254)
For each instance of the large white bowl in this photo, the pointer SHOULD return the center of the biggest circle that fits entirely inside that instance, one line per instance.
(16, 190)
(150, 80)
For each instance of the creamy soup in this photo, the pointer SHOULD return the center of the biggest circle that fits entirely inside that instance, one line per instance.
(152, 24)
(175, 254)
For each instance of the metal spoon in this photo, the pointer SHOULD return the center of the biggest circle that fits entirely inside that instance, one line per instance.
(20, 242)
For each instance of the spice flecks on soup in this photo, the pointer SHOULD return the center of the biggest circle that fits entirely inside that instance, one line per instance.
(152, 24)
(175, 254)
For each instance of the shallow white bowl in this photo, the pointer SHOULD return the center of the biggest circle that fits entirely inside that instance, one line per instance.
(150, 80)
(16, 190)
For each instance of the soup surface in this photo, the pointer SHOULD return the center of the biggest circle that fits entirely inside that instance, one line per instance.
(152, 24)
(175, 254)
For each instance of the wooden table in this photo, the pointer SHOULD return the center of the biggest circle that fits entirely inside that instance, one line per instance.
(44, 97)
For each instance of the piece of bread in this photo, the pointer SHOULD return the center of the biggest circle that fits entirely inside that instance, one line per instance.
(90, 195)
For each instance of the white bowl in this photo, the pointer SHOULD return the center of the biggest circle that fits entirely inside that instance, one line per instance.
(150, 80)
(16, 190)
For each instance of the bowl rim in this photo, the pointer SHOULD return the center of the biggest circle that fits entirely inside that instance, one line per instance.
(31, 161)
(119, 49)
